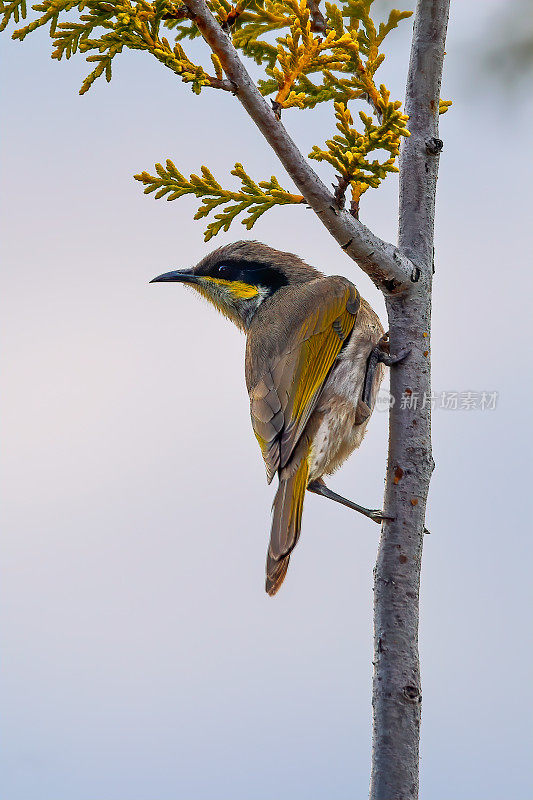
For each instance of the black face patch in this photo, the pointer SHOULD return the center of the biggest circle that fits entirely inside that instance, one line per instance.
(252, 272)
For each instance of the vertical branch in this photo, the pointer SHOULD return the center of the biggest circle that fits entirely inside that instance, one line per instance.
(397, 690)
(419, 156)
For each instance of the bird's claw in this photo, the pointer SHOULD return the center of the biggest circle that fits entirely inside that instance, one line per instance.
(377, 516)
(402, 355)
(382, 351)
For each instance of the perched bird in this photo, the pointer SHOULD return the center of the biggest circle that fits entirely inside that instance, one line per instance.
(313, 368)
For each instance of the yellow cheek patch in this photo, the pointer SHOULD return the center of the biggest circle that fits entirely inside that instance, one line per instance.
(239, 289)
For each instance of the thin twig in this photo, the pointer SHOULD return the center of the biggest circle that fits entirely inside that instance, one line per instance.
(343, 181)
(224, 84)
(318, 21)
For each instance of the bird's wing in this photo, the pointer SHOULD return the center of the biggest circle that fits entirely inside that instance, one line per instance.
(284, 395)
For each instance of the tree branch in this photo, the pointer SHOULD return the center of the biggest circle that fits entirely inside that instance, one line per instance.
(419, 153)
(397, 690)
(318, 22)
(390, 270)
(224, 84)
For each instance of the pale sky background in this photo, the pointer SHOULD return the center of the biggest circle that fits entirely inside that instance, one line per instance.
(142, 659)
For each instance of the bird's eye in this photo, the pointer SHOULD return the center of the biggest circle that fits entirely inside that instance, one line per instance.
(223, 270)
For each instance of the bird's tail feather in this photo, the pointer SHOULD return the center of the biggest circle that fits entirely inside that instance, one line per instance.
(286, 522)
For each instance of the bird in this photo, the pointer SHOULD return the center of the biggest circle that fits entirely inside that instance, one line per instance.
(315, 356)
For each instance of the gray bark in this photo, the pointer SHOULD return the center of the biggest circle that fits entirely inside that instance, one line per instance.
(397, 692)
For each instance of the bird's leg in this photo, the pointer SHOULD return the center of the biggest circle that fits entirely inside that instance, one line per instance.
(319, 487)
(380, 354)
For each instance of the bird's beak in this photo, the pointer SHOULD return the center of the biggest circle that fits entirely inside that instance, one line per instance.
(177, 275)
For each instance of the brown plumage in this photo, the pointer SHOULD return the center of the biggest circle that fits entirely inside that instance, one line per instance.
(308, 342)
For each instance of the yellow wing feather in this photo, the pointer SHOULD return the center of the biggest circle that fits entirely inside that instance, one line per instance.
(283, 398)
(316, 357)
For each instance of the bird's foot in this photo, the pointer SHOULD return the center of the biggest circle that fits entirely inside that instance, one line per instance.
(319, 487)
(376, 515)
(380, 354)
(383, 354)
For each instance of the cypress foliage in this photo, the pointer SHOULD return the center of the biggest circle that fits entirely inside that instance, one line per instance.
(307, 58)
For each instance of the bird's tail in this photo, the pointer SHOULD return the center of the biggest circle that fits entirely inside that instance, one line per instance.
(286, 522)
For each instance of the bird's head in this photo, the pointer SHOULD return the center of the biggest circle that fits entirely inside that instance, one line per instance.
(238, 277)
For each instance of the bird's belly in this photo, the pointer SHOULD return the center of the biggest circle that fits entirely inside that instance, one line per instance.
(335, 434)
(334, 440)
